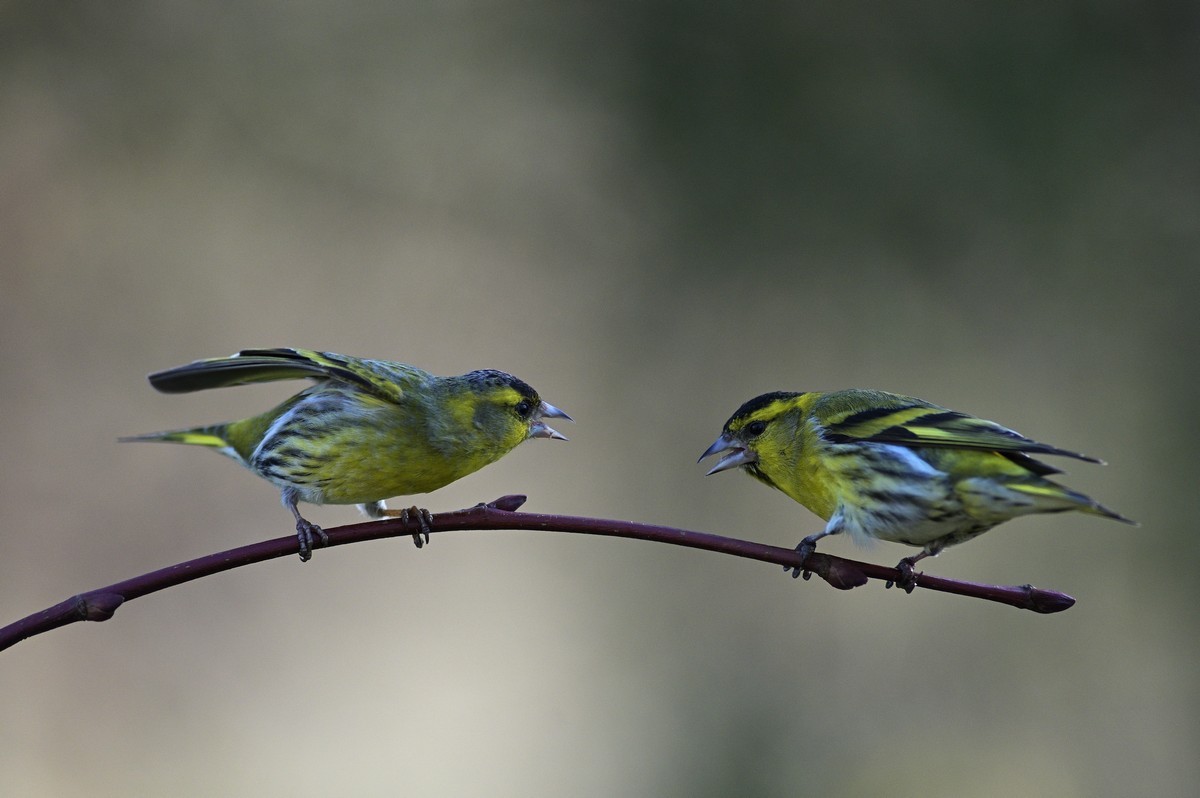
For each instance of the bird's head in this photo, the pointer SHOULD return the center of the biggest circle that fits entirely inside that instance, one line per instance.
(763, 435)
(508, 409)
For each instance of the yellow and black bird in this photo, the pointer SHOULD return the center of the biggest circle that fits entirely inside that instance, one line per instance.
(883, 466)
(366, 430)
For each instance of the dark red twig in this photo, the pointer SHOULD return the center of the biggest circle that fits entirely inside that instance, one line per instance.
(101, 604)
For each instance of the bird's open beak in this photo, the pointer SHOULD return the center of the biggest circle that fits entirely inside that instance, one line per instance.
(738, 454)
(539, 429)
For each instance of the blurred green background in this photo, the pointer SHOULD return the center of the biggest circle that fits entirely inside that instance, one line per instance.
(651, 212)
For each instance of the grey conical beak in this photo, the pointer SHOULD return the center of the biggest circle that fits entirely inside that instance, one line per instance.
(738, 454)
(539, 428)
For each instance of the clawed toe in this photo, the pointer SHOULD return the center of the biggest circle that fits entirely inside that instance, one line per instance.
(424, 519)
(805, 548)
(908, 576)
(306, 531)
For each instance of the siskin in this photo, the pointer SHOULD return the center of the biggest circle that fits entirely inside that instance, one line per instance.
(365, 430)
(889, 467)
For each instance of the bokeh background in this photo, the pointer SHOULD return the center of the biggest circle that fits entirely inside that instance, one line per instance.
(651, 212)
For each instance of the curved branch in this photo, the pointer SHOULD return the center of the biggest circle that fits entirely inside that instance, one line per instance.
(844, 574)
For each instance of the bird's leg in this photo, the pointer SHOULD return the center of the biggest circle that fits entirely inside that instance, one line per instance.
(423, 517)
(908, 575)
(809, 544)
(305, 530)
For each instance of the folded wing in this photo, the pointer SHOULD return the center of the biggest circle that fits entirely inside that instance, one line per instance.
(905, 421)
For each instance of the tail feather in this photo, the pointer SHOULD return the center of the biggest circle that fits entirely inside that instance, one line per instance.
(1096, 508)
(198, 437)
(1058, 497)
(213, 437)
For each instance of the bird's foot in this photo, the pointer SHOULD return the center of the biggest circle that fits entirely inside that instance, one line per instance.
(908, 575)
(423, 518)
(306, 531)
(806, 547)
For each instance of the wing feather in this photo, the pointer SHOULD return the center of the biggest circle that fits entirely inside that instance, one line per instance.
(382, 378)
(905, 421)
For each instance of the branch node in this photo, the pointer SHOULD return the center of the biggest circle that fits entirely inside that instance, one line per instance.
(509, 504)
(837, 572)
(98, 606)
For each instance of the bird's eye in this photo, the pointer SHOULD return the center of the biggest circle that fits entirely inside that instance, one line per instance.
(756, 428)
(524, 408)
